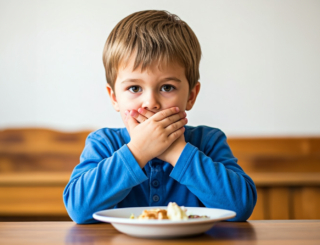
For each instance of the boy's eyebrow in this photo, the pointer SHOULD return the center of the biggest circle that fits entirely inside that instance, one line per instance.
(162, 80)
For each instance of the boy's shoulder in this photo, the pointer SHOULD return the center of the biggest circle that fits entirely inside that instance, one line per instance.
(206, 139)
(102, 132)
(110, 135)
(203, 130)
(202, 136)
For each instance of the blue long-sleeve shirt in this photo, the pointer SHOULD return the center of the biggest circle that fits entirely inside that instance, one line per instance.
(205, 175)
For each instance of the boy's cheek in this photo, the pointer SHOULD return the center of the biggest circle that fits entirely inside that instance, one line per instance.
(175, 103)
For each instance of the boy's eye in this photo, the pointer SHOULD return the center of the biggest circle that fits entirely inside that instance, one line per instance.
(167, 88)
(135, 89)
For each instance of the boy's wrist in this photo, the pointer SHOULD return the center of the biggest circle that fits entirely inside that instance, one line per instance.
(173, 153)
(174, 157)
(141, 158)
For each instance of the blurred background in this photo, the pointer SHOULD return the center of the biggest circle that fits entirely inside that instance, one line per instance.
(260, 76)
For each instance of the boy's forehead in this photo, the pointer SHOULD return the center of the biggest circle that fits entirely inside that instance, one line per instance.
(155, 66)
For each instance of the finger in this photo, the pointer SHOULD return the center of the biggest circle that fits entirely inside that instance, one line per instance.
(176, 126)
(126, 125)
(172, 119)
(145, 113)
(126, 121)
(165, 113)
(176, 134)
(132, 123)
(140, 118)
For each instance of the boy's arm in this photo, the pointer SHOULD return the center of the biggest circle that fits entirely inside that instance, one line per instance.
(213, 175)
(104, 177)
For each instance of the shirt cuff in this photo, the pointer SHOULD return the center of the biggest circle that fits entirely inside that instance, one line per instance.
(132, 165)
(183, 162)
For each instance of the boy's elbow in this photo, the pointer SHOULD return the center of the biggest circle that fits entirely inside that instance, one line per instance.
(81, 218)
(82, 221)
(77, 213)
(245, 206)
(242, 214)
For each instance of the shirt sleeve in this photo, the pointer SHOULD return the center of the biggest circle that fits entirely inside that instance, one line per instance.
(214, 176)
(103, 178)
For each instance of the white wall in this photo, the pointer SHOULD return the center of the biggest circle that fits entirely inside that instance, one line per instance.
(260, 70)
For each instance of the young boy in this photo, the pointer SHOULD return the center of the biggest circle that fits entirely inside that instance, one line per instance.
(152, 61)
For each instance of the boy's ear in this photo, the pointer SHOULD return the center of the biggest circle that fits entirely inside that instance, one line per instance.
(113, 98)
(192, 96)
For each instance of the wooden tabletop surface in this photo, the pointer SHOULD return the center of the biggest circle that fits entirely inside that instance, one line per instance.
(252, 232)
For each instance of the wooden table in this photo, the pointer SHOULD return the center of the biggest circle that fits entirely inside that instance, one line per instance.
(253, 232)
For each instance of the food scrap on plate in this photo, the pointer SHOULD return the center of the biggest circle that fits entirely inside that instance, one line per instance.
(173, 212)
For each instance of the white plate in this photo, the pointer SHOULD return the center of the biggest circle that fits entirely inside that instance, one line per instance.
(120, 219)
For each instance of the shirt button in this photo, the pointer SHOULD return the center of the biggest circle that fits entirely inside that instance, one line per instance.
(155, 198)
(155, 183)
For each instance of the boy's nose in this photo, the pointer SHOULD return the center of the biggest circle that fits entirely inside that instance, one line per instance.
(151, 103)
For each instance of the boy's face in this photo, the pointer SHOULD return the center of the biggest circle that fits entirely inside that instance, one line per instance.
(155, 89)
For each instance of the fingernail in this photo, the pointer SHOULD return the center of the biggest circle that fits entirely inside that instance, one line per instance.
(140, 110)
(133, 113)
(177, 109)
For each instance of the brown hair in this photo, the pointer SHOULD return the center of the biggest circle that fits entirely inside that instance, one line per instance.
(153, 35)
